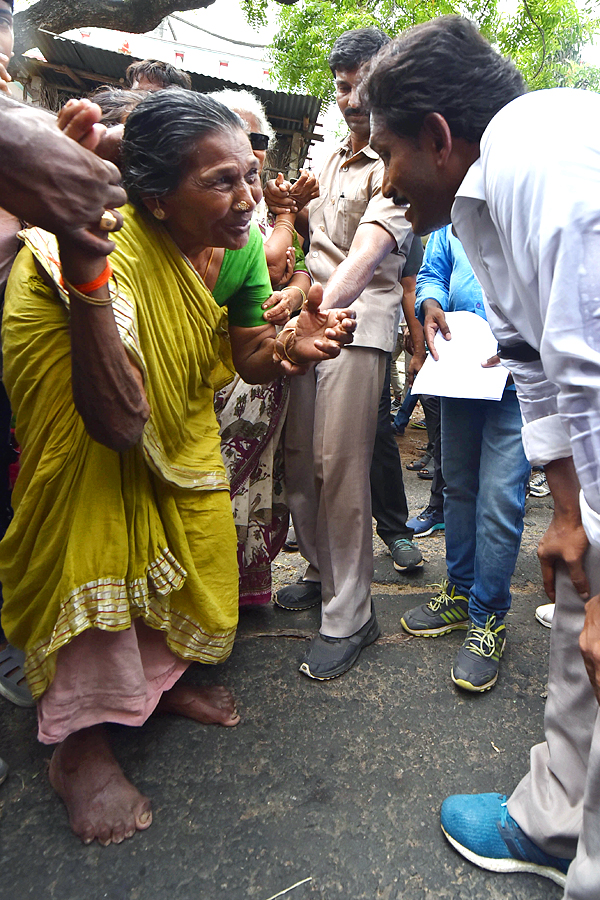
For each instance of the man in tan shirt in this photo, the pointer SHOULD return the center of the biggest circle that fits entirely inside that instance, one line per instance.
(358, 245)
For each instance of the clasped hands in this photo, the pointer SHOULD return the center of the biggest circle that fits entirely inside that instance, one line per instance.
(316, 335)
(282, 196)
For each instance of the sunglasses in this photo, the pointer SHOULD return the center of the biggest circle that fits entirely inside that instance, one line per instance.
(258, 141)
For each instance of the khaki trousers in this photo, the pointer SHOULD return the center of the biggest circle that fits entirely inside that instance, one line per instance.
(330, 433)
(557, 804)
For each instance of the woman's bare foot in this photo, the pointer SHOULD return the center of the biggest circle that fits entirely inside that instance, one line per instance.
(209, 705)
(100, 801)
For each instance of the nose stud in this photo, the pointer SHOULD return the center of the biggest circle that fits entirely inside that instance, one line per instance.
(243, 206)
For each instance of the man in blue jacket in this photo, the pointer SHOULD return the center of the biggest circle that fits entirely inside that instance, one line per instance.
(486, 472)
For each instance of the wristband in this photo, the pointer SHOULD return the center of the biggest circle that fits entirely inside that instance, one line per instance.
(97, 283)
(93, 301)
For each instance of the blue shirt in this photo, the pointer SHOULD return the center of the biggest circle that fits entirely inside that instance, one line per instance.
(446, 276)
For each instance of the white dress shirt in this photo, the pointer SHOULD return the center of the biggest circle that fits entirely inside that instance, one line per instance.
(528, 216)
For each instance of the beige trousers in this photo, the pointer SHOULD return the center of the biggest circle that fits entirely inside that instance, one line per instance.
(557, 804)
(330, 433)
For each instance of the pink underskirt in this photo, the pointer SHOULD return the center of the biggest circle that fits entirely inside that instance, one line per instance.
(104, 676)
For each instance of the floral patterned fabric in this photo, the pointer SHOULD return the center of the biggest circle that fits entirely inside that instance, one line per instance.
(251, 421)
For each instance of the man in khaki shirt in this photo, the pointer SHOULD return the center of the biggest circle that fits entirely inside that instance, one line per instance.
(358, 245)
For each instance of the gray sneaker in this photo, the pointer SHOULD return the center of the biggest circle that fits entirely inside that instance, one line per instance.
(406, 555)
(328, 657)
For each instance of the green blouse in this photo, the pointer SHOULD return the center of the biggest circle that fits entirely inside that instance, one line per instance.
(243, 284)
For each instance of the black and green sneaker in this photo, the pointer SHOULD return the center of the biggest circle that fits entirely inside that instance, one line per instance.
(445, 612)
(476, 665)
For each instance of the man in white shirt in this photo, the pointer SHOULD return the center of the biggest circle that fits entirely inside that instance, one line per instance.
(519, 177)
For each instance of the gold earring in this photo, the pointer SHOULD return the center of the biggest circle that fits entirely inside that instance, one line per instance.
(158, 213)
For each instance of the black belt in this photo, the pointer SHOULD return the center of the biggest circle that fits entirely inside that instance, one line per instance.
(522, 352)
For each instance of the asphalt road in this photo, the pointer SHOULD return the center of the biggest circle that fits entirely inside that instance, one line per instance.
(337, 785)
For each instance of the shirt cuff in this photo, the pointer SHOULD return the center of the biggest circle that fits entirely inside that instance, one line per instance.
(545, 439)
(591, 521)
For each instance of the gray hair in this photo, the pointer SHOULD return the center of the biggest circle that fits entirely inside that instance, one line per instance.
(245, 102)
(160, 134)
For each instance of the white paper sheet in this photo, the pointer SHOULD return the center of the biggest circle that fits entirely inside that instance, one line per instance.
(458, 372)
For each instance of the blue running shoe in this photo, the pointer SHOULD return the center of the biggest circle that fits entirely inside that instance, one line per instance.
(481, 829)
(427, 522)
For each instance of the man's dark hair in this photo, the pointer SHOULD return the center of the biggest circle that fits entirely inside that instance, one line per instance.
(116, 103)
(353, 48)
(160, 134)
(444, 66)
(157, 72)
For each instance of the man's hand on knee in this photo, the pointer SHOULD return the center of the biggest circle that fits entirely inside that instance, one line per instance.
(589, 643)
(565, 540)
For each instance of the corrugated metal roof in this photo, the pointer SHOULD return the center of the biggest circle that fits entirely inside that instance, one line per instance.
(286, 111)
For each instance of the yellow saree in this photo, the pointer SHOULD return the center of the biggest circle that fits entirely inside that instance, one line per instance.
(98, 537)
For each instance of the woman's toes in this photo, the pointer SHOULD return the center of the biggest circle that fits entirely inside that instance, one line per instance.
(143, 818)
(104, 836)
(119, 833)
(87, 833)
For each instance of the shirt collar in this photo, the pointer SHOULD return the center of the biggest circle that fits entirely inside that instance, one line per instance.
(345, 149)
(472, 184)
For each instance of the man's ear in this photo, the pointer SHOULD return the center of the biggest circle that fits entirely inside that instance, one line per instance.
(435, 131)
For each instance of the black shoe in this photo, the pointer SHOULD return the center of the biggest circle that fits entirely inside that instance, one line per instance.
(328, 657)
(406, 555)
(299, 596)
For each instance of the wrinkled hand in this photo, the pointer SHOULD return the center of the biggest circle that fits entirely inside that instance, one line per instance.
(564, 541)
(79, 120)
(589, 643)
(319, 334)
(305, 189)
(53, 182)
(277, 194)
(435, 320)
(4, 76)
(279, 307)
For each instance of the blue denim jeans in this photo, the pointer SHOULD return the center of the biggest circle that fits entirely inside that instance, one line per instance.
(486, 473)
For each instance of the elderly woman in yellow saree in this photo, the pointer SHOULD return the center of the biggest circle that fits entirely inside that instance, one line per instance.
(119, 568)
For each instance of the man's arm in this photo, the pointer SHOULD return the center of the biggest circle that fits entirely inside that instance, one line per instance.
(49, 180)
(433, 288)
(409, 283)
(370, 246)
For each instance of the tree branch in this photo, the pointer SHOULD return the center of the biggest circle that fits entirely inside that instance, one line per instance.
(135, 16)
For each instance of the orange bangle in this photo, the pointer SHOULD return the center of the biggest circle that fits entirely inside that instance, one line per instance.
(97, 283)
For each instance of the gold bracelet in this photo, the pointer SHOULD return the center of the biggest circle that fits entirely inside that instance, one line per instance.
(93, 301)
(291, 333)
(287, 331)
(286, 225)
